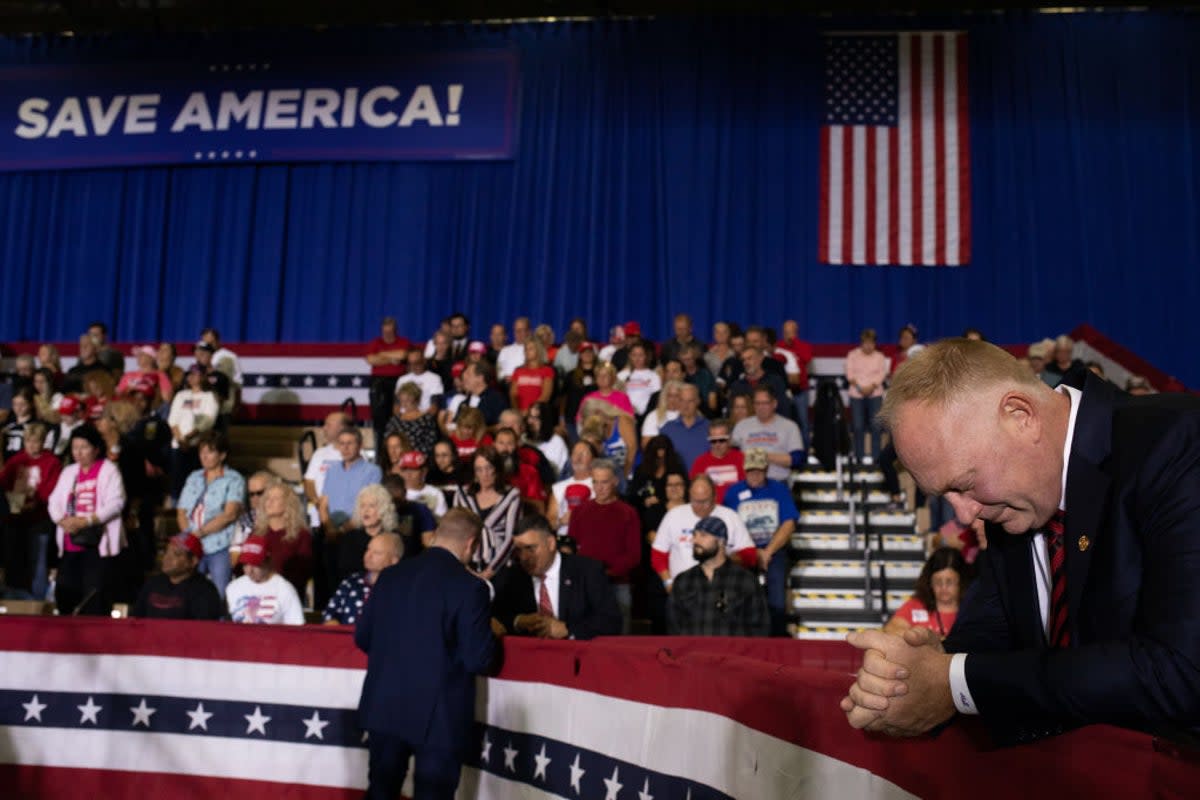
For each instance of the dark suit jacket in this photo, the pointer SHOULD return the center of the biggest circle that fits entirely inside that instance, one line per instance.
(586, 602)
(426, 631)
(1133, 584)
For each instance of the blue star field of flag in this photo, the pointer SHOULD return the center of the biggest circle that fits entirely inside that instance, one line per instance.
(861, 81)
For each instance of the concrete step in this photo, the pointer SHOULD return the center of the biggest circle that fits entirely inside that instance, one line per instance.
(892, 542)
(896, 570)
(818, 478)
(804, 601)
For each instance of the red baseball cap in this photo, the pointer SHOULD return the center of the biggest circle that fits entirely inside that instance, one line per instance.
(413, 459)
(576, 494)
(190, 543)
(477, 347)
(457, 370)
(68, 405)
(632, 328)
(254, 551)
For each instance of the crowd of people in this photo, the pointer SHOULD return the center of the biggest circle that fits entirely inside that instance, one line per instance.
(663, 464)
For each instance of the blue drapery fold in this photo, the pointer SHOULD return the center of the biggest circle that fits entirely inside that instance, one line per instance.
(663, 166)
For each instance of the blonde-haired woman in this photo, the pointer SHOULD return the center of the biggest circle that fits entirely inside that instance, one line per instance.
(666, 410)
(532, 382)
(608, 391)
(374, 513)
(282, 522)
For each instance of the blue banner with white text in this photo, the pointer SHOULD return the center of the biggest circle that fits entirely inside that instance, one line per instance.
(419, 107)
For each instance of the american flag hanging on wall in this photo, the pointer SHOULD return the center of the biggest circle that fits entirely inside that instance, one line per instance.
(895, 163)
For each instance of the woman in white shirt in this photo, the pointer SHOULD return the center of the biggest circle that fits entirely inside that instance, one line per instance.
(641, 382)
(667, 410)
(194, 410)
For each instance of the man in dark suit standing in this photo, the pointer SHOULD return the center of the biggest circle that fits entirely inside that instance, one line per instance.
(1087, 606)
(553, 595)
(426, 632)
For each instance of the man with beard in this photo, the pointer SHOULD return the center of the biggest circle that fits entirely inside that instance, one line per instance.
(521, 475)
(716, 597)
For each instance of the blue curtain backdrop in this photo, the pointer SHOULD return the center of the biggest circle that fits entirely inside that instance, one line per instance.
(663, 165)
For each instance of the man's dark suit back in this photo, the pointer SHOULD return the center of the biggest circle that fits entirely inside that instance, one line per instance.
(586, 602)
(426, 633)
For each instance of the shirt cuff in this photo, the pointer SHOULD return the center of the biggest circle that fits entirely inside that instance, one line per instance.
(958, 685)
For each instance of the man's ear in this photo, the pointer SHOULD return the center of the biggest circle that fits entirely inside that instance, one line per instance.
(1020, 413)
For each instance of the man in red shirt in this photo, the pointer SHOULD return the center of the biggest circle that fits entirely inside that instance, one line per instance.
(608, 529)
(722, 463)
(386, 354)
(803, 352)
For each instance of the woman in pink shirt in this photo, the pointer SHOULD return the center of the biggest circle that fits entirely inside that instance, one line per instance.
(866, 369)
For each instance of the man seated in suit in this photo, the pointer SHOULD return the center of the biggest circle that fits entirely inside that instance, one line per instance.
(553, 595)
(418, 698)
(1087, 608)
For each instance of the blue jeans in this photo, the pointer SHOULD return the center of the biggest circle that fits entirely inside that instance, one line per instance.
(800, 403)
(39, 540)
(862, 416)
(218, 569)
(777, 585)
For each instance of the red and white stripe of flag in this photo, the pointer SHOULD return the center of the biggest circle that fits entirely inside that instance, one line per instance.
(901, 194)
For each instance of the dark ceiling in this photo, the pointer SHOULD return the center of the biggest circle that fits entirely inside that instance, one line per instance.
(87, 16)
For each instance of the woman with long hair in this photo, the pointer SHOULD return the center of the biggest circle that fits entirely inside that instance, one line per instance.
(490, 497)
(939, 590)
(283, 525)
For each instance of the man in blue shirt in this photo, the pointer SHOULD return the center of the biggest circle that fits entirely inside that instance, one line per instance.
(689, 432)
(769, 512)
(343, 482)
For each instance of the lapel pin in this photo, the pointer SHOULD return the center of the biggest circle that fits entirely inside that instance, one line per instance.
(1084, 544)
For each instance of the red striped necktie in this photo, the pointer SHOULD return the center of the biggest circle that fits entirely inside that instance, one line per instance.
(1060, 634)
(545, 608)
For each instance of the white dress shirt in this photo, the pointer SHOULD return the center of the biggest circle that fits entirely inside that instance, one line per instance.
(1041, 564)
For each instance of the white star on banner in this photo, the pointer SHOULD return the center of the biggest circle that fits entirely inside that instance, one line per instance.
(357, 381)
(486, 755)
(644, 794)
(576, 774)
(315, 726)
(88, 712)
(142, 713)
(612, 786)
(199, 717)
(543, 761)
(285, 381)
(34, 709)
(333, 381)
(256, 722)
(261, 380)
(365, 735)
(308, 380)
(510, 757)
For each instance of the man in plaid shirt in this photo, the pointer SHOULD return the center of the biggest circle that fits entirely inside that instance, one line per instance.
(716, 597)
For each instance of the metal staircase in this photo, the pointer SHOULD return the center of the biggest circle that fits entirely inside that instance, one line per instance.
(850, 571)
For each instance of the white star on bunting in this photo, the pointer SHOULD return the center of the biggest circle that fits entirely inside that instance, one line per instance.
(89, 711)
(308, 380)
(256, 721)
(142, 713)
(510, 757)
(612, 786)
(261, 380)
(199, 717)
(644, 794)
(486, 755)
(576, 774)
(34, 709)
(332, 381)
(315, 726)
(543, 761)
